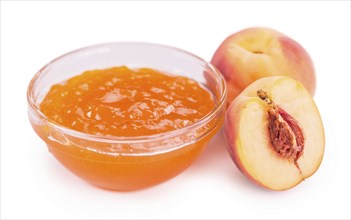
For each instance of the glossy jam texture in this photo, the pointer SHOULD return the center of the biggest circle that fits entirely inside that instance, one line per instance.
(126, 102)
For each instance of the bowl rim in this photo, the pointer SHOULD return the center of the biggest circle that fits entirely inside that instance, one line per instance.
(128, 139)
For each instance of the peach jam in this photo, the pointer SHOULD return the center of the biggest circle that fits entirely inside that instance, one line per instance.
(127, 129)
(126, 102)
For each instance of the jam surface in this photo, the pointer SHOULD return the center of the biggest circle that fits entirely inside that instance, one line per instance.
(126, 102)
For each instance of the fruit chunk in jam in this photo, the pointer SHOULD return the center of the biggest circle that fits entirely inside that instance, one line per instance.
(126, 102)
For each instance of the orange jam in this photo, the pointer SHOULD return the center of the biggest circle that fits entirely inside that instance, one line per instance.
(126, 102)
(123, 102)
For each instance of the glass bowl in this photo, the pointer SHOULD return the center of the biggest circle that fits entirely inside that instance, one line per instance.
(126, 163)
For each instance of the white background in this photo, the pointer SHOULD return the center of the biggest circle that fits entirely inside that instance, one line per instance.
(35, 185)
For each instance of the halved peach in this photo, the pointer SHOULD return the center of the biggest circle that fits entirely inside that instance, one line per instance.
(274, 132)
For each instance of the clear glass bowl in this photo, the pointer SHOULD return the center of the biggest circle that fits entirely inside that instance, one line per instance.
(126, 163)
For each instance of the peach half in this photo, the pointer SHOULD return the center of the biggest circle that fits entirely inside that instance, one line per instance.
(274, 133)
(258, 52)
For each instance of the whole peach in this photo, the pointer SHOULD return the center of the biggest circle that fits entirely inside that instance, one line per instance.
(259, 52)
